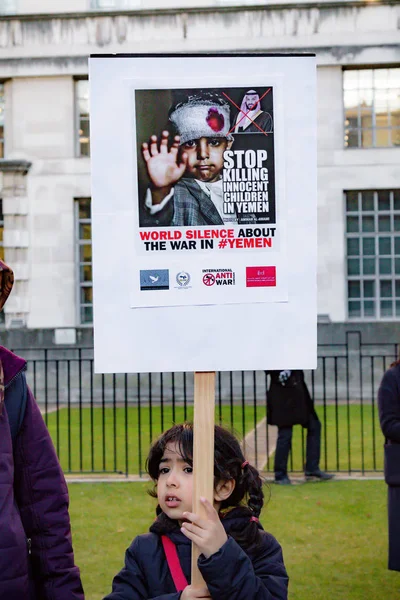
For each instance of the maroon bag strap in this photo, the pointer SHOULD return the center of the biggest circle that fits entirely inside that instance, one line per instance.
(174, 565)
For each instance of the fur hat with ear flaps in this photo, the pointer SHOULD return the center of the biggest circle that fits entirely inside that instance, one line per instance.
(6, 282)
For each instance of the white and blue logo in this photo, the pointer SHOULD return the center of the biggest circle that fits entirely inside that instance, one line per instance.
(154, 279)
(183, 279)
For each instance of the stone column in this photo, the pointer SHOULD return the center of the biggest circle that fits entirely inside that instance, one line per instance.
(13, 185)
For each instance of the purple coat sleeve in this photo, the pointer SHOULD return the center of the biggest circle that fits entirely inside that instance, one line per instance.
(42, 497)
(389, 405)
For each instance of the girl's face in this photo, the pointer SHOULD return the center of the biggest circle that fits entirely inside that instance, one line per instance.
(174, 484)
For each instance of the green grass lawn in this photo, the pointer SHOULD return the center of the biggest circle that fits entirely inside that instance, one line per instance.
(333, 535)
(343, 427)
(109, 440)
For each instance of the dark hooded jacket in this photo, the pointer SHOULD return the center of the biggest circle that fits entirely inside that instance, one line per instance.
(230, 574)
(36, 557)
(389, 414)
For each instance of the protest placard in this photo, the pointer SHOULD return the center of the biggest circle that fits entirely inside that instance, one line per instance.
(204, 228)
(204, 212)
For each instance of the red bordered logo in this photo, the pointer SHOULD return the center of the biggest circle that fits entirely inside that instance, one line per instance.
(260, 276)
(209, 279)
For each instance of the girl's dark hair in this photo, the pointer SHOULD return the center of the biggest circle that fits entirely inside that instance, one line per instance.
(228, 460)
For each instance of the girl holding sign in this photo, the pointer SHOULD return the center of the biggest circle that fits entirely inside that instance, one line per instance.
(239, 560)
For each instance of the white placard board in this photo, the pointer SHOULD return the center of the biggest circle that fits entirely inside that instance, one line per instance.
(216, 270)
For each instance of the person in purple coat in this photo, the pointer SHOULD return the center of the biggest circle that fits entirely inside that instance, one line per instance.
(36, 556)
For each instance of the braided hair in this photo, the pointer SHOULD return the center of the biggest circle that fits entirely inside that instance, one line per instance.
(229, 464)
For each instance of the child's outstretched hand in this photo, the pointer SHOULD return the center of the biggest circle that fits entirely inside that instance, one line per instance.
(191, 592)
(161, 162)
(208, 534)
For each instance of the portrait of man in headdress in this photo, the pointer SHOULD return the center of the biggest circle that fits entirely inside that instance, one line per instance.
(251, 118)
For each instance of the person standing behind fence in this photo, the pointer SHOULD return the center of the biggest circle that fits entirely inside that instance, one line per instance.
(289, 403)
(36, 557)
(389, 415)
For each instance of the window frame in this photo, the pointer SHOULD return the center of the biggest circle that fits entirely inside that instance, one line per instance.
(379, 257)
(8, 7)
(77, 124)
(373, 129)
(117, 4)
(3, 107)
(79, 242)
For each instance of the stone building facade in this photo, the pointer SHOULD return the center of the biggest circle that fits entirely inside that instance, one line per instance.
(45, 166)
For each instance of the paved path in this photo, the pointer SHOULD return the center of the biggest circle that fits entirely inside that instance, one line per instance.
(259, 444)
(51, 408)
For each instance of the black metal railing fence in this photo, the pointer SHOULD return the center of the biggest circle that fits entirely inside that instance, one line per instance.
(105, 423)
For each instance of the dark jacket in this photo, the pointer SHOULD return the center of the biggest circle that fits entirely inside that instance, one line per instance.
(230, 574)
(33, 508)
(289, 403)
(389, 404)
(389, 415)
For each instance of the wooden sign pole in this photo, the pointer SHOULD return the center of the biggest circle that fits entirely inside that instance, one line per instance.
(203, 453)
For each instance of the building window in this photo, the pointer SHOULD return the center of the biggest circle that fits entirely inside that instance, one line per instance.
(8, 7)
(1, 249)
(373, 254)
(114, 4)
(372, 108)
(82, 117)
(84, 260)
(2, 106)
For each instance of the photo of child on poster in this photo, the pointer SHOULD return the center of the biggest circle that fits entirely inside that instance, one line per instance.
(205, 157)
